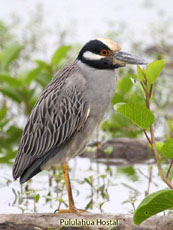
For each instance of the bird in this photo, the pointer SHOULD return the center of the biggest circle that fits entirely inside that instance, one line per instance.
(69, 110)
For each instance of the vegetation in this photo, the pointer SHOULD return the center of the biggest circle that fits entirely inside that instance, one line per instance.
(142, 102)
(143, 117)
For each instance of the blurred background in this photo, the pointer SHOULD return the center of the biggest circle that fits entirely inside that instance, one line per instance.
(37, 38)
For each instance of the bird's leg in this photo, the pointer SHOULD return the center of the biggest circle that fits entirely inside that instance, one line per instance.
(72, 208)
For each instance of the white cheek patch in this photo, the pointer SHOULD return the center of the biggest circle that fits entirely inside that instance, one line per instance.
(91, 56)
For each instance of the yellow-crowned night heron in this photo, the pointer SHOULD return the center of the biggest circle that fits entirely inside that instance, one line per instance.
(69, 110)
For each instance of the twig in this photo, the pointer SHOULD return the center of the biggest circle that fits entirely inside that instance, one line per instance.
(158, 159)
(151, 88)
(169, 169)
(149, 140)
(143, 86)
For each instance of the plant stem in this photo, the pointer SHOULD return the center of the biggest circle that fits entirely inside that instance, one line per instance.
(151, 88)
(152, 140)
(149, 181)
(169, 169)
(149, 140)
(158, 159)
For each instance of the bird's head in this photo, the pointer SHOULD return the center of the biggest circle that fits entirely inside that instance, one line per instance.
(103, 53)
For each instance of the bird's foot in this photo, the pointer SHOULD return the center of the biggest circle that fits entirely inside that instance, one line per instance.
(72, 210)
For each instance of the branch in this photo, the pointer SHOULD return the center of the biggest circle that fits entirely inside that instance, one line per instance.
(149, 140)
(169, 169)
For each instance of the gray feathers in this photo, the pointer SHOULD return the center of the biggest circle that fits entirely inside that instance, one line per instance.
(60, 112)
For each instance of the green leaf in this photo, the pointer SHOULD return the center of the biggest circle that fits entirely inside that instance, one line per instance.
(43, 65)
(124, 84)
(108, 150)
(10, 80)
(9, 55)
(32, 75)
(159, 145)
(11, 93)
(37, 197)
(139, 90)
(167, 149)
(129, 171)
(120, 126)
(3, 123)
(89, 205)
(8, 156)
(154, 69)
(87, 181)
(43, 79)
(117, 105)
(133, 76)
(154, 203)
(136, 98)
(117, 98)
(140, 73)
(59, 54)
(3, 112)
(137, 113)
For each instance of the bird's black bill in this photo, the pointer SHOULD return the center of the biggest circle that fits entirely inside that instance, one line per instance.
(129, 58)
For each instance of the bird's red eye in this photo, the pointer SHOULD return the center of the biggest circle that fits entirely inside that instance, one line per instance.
(104, 52)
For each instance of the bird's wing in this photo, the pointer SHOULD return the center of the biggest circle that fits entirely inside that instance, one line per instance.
(55, 118)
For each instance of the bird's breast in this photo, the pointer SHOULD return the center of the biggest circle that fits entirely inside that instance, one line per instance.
(100, 91)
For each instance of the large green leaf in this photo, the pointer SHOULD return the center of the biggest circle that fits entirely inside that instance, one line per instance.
(10, 80)
(153, 204)
(59, 54)
(137, 113)
(167, 149)
(154, 69)
(9, 55)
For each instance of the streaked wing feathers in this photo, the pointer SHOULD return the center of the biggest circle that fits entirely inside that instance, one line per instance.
(54, 119)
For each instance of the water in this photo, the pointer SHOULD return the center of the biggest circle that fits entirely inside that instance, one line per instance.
(119, 189)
